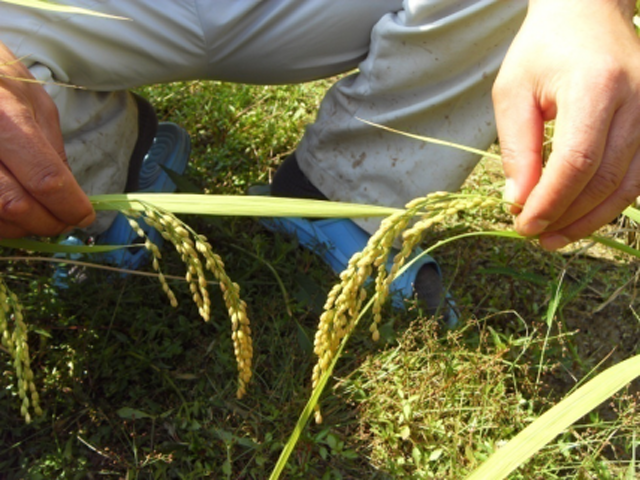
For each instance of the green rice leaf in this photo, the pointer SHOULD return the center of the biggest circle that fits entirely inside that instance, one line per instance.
(633, 213)
(225, 205)
(42, 247)
(309, 408)
(238, 205)
(622, 247)
(528, 442)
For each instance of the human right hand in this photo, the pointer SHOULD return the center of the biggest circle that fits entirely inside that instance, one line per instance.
(577, 62)
(38, 193)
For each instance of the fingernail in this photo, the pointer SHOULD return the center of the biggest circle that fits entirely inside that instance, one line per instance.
(554, 242)
(531, 228)
(86, 221)
(509, 195)
(509, 192)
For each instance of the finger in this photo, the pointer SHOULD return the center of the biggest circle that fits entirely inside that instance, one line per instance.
(622, 144)
(520, 130)
(604, 213)
(7, 230)
(48, 121)
(23, 212)
(41, 170)
(578, 146)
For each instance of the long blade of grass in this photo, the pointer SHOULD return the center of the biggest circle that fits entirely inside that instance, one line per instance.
(633, 213)
(622, 247)
(56, 7)
(560, 417)
(631, 471)
(308, 411)
(436, 141)
(224, 205)
(554, 304)
(97, 266)
(42, 247)
(254, 206)
(239, 205)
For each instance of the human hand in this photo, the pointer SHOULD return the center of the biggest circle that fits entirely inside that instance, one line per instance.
(38, 193)
(577, 62)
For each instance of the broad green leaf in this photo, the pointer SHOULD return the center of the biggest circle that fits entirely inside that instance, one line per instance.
(238, 205)
(55, 7)
(560, 417)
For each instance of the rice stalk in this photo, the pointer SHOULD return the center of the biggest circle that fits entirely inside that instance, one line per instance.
(197, 255)
(311, 408)
(582, 401)
(345, 300)
(13, 331)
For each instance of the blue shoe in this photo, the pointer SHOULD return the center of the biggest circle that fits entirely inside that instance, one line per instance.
(335, 240)
(170, 150)
(64, 273)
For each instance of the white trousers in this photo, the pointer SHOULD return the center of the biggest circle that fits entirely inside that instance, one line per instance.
(425, 67)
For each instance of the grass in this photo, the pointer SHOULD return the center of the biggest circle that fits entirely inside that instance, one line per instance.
(132, 388)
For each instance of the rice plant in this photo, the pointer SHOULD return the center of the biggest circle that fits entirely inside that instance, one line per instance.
(195, 252)
(346, 301)
(345, 308)
(345, 304)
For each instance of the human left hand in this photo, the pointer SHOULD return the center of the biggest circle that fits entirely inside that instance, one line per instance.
(38, 192)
